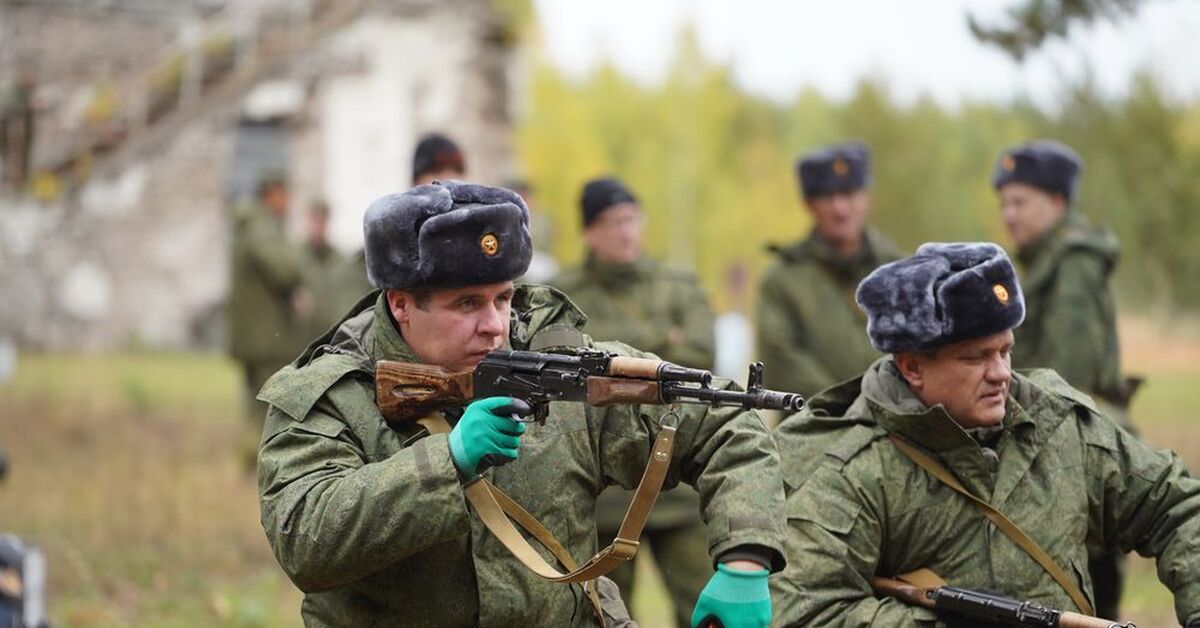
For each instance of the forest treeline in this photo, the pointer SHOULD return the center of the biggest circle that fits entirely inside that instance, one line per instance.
(713, 167)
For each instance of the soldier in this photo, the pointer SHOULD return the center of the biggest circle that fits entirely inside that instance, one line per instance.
(370, 520)
(809, 331)
(265, 286)
(630, 297)
(1070, 325)
(865, 464)
(323, 270)
(436, 158)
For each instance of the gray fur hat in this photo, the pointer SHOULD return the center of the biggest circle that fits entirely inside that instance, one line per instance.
(943, 294)
(446, 235)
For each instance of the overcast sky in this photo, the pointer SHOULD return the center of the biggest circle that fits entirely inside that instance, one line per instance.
(777, 47)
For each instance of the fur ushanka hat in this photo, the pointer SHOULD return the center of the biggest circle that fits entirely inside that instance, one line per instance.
(446, 235)
(943, 294)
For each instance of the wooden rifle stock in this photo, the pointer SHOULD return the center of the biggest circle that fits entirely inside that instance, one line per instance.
(903, 591)
(405, 391)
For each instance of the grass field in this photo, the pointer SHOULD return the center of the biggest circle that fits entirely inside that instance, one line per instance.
(127, 471)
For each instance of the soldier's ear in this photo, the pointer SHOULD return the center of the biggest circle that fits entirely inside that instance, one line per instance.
(909, 365)
(400, 305)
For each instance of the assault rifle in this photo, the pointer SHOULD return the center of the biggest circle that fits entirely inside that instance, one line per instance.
(987, 608)
(405, 391)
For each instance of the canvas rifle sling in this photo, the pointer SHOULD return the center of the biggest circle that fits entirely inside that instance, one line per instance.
(1009, 528)
(497, 511)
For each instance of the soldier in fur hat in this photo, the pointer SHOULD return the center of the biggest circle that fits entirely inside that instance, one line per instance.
(860, 504)
(370, 521)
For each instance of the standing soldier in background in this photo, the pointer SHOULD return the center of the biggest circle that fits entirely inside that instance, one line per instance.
(629, 297)
(810, 332)
(266, 291)
(1070, 323)
(323, 271)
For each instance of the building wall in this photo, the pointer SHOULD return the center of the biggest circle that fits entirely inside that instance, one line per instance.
(139, 256)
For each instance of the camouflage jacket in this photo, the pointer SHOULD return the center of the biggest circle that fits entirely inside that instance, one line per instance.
(371, 522)
(1070, 319)
(266, 270)
(326, 274)
(646, 305)
(663, 311)
(1063, 472)
(811, 334)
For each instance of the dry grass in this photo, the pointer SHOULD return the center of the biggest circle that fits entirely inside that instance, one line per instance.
(127, 471)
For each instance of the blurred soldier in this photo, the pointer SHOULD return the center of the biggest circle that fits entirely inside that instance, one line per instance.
(810, 334)
(437, 158)
(266, 290)
(629, 297)
(323, 271)
(1070, 324)
(370, 521)
(17, 126)
(878, 469)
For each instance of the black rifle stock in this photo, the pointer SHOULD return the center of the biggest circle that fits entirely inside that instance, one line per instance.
(988, 608)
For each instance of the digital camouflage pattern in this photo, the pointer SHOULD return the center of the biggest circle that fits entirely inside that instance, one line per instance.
(1064, 473)
(1070, 317)
(811, 333)
(371, 522)
(265, 273)
(1070, 326)
(663, 311)
(646, 305)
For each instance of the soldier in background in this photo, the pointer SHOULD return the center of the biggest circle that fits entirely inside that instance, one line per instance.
(810, 334)
(631, 298)
(1070, 325)
(266, 291)
(437, 158)
(323, 271)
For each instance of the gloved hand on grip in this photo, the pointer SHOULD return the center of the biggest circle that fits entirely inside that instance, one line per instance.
(486, 434)
(734, 598)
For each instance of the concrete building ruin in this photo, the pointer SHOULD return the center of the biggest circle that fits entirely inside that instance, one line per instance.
(155, 117)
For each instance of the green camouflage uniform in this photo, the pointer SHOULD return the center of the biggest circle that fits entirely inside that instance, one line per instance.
(639, 304)
(1063, 472)
(262, 327)
(811, 334)
(324, 273)
(1070, 326)
(371, 522)
(1070, 319)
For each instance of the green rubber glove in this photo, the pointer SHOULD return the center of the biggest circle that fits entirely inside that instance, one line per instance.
(734, 599)
(480, 433)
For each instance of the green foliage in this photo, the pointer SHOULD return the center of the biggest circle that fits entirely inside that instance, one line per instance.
(713, 166)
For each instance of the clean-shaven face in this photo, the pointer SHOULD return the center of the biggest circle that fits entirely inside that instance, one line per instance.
(970, 378)
(1029, 212)
(840, 217)
(455, 327)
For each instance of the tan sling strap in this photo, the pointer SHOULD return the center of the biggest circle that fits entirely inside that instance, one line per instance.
(497, 511)
(1009, 528)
